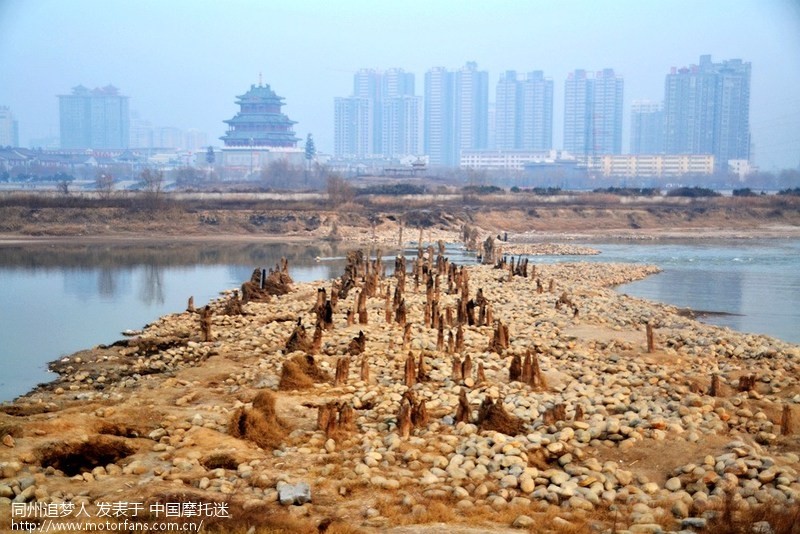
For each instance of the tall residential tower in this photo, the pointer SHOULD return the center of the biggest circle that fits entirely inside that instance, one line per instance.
(456, 113)
(9, 130)
(524, 112)
(647, 127)
(707, 110)
(593, 113)
(94, 119)
(380, 119)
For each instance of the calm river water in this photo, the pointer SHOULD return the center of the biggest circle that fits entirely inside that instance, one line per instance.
(55, 300)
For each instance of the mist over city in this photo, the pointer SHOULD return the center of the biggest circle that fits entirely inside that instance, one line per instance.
(179, 67)
(365, 267)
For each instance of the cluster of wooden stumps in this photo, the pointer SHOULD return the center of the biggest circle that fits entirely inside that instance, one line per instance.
(260, 288)
(747, 382)
(434, 275)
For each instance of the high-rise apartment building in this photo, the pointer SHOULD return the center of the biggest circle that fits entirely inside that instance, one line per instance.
(400, 126)
(380, 119)
(456, 113)
(507, 111)
(524, 112)
(9, 128)
(438, 122)
(142, 133)
(353, 134)
(647, 127)
(471, 92)
(94, 119)
(707, 110)
(400, 115)
(593, 113)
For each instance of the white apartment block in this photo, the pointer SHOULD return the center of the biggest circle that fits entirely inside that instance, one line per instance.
(508, 159)
(651, 165)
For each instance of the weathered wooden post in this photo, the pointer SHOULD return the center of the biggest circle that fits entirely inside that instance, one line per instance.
(347, 418)
(786, 420)
(466, 367)
(400, 313)
(406, 336)
(537, 377)
(419, 414)
(422, 372)
(363, 318)
(404, 423)
(205, 323)
(457, 370)
(190, 305)
(481, 374)
(515, 369)
(714, 391)
(651, 342)
(463, 410)
(527, 369)
(358, 344)
(410, 376)
(316, 341)
(342, 371)
(326, 411)
(364, 368)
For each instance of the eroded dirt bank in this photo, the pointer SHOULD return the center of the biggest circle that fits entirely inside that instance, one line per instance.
(376, 218)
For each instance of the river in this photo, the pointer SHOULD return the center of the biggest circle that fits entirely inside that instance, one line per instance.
(57, 299)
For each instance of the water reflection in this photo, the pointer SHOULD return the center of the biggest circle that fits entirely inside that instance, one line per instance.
(82, 295)
(85, 294)
(152, 291)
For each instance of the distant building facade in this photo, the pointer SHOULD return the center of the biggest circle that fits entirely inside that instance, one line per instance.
(650, 165)
(456, 113)
(97, 119)
(381, 119)
(9, 128)
(647, 127)
(471, 91)
(509, 159)
(523, 112)
(352, 133)
(707, 110)
(438, 122)
(593, 112)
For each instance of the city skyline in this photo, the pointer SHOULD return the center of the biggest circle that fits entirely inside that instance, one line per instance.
(180, 63)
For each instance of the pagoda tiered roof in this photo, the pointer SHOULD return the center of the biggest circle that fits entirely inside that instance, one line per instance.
(260, 121)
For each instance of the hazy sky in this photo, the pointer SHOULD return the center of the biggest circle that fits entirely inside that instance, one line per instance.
(183, 62)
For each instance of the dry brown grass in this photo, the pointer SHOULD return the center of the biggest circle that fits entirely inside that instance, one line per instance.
(733, 519)
(301, 372)
(76, 458)
(219, 460)
(11, 428)
(259, 424)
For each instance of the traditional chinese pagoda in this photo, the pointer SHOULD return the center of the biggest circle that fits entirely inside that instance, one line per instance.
(260, 122)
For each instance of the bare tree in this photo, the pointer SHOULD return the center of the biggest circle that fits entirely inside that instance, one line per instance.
(63, 186)
(153, 182)
(339, 191)
(104, 183)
